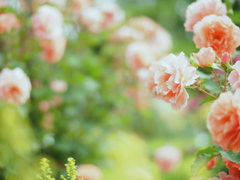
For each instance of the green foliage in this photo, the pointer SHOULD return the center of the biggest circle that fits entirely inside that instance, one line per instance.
(45, 169)
(229, 155)
(202, 157)
(71, 170)
(207, 99)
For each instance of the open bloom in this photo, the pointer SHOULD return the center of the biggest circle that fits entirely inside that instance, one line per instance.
(8, 21)
(233, 168)
(217, 32)
(234, 76)
(15, 86)
(205, 57)
(224, 176)
(47, 22)
(223, 121)
(168, 157)
(201, 8)
(53, 49)
(89, 172)
(169, 76)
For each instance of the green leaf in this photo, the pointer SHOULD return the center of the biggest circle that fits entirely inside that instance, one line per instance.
(207, 99)
(212, 86)
(216, 66)
(229, 155)
(229, 4)
(202, 157)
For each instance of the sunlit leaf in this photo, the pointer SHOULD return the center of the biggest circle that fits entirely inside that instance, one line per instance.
(229, 155)
(207, 99)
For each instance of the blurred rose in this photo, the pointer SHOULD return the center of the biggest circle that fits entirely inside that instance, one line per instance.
(44, 106)
(58, 86)
(126, 33)
(224, 176)
(223, 121)
(201, 8)
(47, 22)
(234, 76)
(217, 32)
(112, 14)
(15, 86)
(205, 57)
(169, 76)
(233, 168)
(168, 158)
(89, 172)
(139, 55)
(235, 59)
(8, 21)
(56, 101)
(53, 49)
(79, 5)
(92, 18)
(211, 163)
(3, 3)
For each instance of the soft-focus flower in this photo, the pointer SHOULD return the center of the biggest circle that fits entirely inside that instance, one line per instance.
(205, 57)
(169, 76)
(168, 158)
(112, 14)
(47, 22)
(211, 163)
(92, 18)
(139, 55)
(127, 33)
(217, 32)
(224, 176)
(53, 49)
(236, 59)
(15, 86)
(233, 168)
(201, 8)
(89, 172)
(8, 21)
(223, 121)
(58, 86)
(44, 106)
(79, 5)
(3, 3)
(234, 76)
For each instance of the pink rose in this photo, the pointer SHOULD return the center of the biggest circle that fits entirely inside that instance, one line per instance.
(53, 49)
(8, 21)
(205, 57)
(168, 158)
(127, 33)
(226, 58)
(47, 22)
(139, 55)
(201, 8)
(89, 172)
(15, 86)
(223, 121)
(79, 5)
(58, 86)
(217, 32)
(169, 76)
(224, 176)
(234, 76)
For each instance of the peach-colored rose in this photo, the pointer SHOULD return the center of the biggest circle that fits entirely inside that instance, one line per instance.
(205, 57)
(169, 76)
(53, 49)
(8, 21)
(47, 22)
(201, 8)
(112, 14)
(127, 33)
(89, 172)
(217, 32)
(233, 168)
(224, 176)
(223, 121)
(139, 55)
(58, 86)
(168, 158)
(234, 76)
(211, 163)
(15, 86)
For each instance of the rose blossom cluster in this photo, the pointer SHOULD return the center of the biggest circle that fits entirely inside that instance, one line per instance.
(47, 25)
(96, 17)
